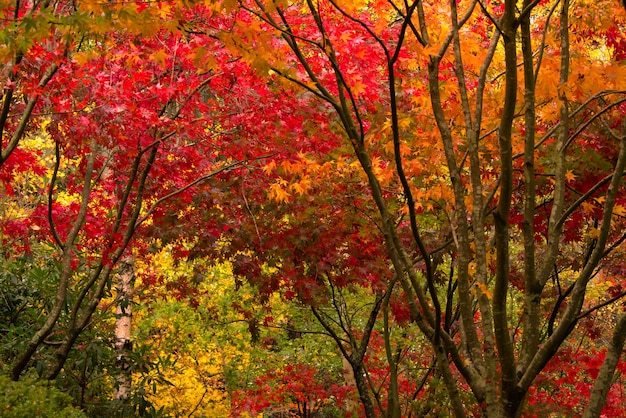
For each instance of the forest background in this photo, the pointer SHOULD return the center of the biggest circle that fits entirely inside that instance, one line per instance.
(319, 208)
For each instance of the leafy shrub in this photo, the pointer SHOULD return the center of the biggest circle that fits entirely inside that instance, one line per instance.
(36, 399)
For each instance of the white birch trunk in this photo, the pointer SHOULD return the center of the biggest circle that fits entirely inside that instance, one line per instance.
(123, 316)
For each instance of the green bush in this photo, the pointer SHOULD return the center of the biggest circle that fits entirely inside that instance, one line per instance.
(36, 399)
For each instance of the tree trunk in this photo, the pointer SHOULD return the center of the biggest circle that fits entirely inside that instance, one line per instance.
(348, 377)
(123, 317)
(363, 390)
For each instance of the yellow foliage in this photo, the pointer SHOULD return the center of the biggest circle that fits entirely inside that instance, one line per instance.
(302, 186)
(619, 210)
(484, 290)
(588, 207)
(196, 385)
(269, 167)
(278, 193)
(159, 56)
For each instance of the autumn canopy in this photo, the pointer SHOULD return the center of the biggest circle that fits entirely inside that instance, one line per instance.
(323, 208)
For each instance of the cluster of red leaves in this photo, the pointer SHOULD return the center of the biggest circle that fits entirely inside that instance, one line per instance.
(127, 96)
(562, 388)
(296, 388)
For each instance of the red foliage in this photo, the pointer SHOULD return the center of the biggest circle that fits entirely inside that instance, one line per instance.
(298, 389)
(566, 383)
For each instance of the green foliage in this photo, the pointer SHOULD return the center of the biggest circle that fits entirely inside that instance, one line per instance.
(32, 398)
(26, 287)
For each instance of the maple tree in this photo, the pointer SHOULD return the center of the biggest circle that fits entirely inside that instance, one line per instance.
(446, 174)
(433, 115)
(121, 115)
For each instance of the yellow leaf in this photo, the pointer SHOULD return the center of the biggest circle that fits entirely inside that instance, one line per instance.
(302, 186)
(483, 288)
(346, 36)
(159, 56)
(619, 210)
(569, 175)
(278, 194)
(82, 58)
(291, 168)
(269, 167)
(588, 207)
(164, 11)
(358, 87)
